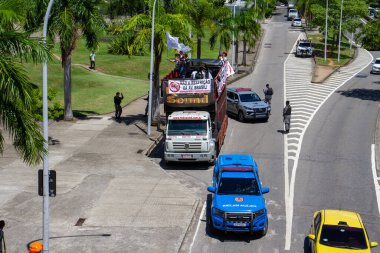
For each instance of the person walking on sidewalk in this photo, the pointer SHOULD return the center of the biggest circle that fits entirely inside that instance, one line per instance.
(2, 240)
(92, 60)
(117, 101)
(286, 113)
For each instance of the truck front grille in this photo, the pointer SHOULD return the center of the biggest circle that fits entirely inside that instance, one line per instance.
(240, 217)
(187, 146)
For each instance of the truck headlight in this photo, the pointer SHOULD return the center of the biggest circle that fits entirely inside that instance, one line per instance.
(212, 145)
(247, 108)
(258, 213)
(218, 212)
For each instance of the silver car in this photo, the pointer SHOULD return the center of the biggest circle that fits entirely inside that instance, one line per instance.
(376, 67)
(246, 104)
(297, 22)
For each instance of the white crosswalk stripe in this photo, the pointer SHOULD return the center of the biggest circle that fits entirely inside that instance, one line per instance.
(306, 97)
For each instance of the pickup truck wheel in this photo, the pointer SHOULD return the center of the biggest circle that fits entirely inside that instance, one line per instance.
(265, 230)
(209, 226)
(241, 116)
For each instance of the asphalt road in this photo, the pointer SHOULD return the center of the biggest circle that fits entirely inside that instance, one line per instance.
(334, 166)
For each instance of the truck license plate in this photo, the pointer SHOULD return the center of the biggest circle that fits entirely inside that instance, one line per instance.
(187, 156)
(239, 224)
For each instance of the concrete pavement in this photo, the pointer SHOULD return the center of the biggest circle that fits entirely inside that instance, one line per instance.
(103, 176)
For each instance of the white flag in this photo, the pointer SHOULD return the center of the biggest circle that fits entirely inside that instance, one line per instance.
(184, 48)
(171, 42)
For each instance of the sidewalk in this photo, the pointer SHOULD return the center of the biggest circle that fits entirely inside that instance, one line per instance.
(103, 176)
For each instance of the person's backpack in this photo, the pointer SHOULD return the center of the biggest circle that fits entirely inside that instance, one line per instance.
(270, 91)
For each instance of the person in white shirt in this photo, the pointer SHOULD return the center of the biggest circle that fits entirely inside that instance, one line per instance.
(92, 60)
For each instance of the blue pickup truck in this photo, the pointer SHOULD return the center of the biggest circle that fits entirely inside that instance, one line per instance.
(237, 203)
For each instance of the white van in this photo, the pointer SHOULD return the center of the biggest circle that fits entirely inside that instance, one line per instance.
(292, 14)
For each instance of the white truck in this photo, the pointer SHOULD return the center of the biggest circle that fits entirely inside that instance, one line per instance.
(196, 113)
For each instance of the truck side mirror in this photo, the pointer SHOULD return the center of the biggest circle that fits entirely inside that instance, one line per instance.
(264, 190)
(211, 189)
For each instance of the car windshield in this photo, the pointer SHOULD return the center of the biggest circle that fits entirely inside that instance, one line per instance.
(297, 19)
(343, 237)
(305, 44)
(239, 186)
(377, 61)
(292, 11)
(187, 127)
(249, 97)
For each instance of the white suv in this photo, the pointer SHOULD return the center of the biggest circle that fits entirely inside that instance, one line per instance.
(292, 14)
(376, 67)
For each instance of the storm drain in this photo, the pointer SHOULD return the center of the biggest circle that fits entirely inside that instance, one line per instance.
(80, 222)
(140, 151)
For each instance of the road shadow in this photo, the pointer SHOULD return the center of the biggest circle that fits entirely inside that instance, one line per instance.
(84, 114)
(281, 131)
(233, 237)
(251, 121)
(364, 94)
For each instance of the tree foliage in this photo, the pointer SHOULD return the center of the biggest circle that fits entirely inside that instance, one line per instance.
(369, 35)
(16, 90)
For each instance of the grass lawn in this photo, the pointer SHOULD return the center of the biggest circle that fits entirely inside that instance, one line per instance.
(92, 93)
(346, 53)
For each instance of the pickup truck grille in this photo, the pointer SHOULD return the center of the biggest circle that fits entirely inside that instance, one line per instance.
(240, 217)
(260, 109)
(187, 146)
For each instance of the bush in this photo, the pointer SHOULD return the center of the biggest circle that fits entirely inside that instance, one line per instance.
(55, 110)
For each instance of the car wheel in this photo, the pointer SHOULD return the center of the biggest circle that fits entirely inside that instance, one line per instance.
(241, 116)
(209, 226)
(266, 119)
(265, 230)
(371, 72)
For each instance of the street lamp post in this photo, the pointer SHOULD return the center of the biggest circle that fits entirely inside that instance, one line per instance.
(152, 75)
(327, 7)
(340, 29)
(233, 42)
(46, 136)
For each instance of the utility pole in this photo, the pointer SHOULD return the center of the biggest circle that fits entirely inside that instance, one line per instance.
(326, 28)
(340, 29)
(152, 75)
(46, 137)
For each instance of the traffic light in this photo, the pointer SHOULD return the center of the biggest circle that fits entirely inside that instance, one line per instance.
(52, 183)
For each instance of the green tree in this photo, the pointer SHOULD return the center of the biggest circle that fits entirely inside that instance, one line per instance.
(200, 14)
(353, 10)
(249, 30)
(69, 20)
(221, 32)
(16, 46)
(369, 35)
(135, 39)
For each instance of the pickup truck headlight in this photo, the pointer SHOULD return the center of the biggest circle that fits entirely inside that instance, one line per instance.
(218, 212)
(247, 108)
(258, 213)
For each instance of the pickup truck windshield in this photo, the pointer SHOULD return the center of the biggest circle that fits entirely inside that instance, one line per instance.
(238, 186)
(304, 44)
(187, 127)
(250, 97)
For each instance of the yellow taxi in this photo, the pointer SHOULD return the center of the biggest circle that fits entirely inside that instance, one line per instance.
(337, 231)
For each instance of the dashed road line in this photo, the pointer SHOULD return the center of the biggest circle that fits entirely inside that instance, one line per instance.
(299, 90)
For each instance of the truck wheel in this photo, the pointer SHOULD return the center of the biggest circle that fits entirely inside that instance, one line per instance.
(265, 230)
(209, 226)
(241, 116)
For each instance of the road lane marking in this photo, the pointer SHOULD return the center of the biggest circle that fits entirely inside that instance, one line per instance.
(198, 225)
(375, 178)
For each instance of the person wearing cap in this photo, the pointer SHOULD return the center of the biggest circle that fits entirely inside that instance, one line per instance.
(286, 113)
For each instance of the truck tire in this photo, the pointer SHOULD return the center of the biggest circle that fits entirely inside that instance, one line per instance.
(241, 116)
(265, 230)
(209, 226)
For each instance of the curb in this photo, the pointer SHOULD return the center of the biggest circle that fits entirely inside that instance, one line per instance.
(376, 141)
(152, 146)
(184, 246)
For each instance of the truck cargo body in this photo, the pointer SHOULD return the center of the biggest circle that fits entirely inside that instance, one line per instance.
(196, 114)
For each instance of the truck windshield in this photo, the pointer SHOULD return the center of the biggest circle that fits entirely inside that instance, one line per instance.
(187, 127)
(249, 97)
(239, 186)
(305, 44)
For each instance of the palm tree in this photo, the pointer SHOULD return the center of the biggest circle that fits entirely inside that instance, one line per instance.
(200, 14)
(15, 88)
(222, 31)
(136, 38)
(69, 21)
(249, 28)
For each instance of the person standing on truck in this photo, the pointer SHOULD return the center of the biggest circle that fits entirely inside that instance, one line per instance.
(286, 113)
(117, 101)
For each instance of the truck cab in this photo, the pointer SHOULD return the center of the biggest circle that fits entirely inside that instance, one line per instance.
(189, 137)
(237, 203)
